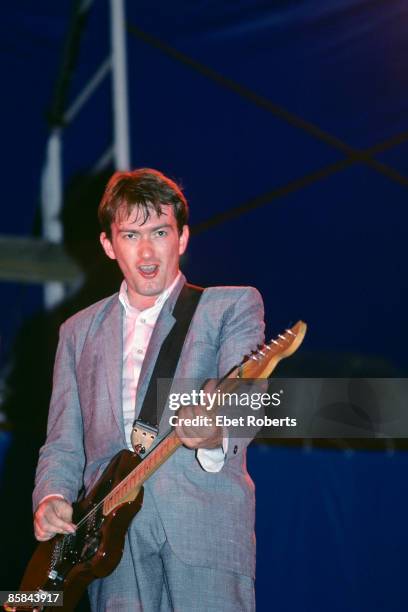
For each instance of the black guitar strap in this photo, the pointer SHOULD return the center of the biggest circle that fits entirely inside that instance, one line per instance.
(169, 354)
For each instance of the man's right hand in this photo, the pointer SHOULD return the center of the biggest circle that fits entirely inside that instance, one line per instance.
(52, 516)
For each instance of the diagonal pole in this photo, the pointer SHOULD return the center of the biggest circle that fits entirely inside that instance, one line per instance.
(355, 155)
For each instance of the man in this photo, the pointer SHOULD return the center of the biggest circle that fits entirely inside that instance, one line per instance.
(191, 547)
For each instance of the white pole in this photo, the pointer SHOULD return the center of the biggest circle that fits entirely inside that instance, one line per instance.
(119, 85)
(88, 90)
(51, 205)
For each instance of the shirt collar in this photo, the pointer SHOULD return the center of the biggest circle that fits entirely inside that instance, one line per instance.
(132, 311)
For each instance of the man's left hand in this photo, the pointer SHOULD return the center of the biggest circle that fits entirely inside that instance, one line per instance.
(206, 434)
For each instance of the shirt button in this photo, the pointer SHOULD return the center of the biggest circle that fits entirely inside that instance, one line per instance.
(139, 351)
(143, 320)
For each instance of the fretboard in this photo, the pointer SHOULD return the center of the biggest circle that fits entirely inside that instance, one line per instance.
(259, 364)
(141, 473)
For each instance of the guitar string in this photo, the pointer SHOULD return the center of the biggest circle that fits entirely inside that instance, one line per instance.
(83, 522)
(120, 484)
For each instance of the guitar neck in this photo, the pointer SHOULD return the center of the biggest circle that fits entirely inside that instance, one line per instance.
(132, 483)
(126, 489)
(260, 364)
(157, 457)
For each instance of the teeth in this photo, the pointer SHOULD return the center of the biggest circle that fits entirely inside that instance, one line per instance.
(148, 268)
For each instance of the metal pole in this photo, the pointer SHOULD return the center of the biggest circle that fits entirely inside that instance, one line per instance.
(51, 205)
(88, 90)
(119, 86)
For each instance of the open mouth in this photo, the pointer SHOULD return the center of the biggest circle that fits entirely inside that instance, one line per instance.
(149, 271)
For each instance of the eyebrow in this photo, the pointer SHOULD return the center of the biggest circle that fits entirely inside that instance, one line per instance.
(152, 229)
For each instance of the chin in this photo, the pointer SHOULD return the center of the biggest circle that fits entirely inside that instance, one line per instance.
(152, 290)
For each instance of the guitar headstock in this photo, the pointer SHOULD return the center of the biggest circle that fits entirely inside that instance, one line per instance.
(261, 363)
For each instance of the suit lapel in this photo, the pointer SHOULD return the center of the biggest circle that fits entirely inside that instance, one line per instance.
(113, 348)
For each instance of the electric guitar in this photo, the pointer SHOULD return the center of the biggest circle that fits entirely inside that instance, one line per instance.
(68, 563)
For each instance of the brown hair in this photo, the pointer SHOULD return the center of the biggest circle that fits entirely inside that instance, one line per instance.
(144, 189)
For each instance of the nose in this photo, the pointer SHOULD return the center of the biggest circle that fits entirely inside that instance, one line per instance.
(145, 248)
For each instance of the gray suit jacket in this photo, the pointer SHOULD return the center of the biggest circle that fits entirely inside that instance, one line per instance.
(208, 518)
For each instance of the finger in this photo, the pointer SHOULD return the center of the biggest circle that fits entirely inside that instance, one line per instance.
(63, 511)
(210, 385)
(42, 535)
(194, 443)
(191, 442)
(201, 439)
(185, 434)
(51, 521)
(186, 412)
(189, 431)
(202, 433)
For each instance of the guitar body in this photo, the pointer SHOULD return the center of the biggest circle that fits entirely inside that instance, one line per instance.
(95, 549)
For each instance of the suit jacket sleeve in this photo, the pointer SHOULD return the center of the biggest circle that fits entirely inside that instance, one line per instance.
(62, 459)
(242, 331)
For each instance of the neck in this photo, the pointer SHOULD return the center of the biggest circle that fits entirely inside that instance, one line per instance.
(141, 302)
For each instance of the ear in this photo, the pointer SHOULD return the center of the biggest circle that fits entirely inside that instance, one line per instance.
(107, 246)
(183, 240)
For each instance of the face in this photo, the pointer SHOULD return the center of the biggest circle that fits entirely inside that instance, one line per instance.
(147, 253)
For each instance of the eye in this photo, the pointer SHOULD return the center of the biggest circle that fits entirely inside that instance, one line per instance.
(161, 233)
(130, 235)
